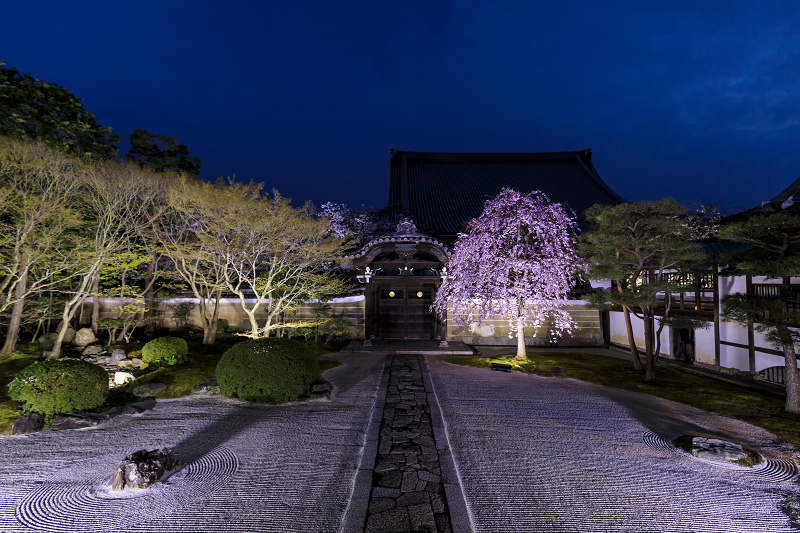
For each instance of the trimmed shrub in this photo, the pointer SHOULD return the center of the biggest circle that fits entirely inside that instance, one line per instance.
(169, 350)
(267, 370)
(58, 386)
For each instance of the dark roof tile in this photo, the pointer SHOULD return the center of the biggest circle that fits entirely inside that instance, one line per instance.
(442, 191)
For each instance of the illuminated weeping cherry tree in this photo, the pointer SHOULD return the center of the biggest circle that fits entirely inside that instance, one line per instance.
(517, 262)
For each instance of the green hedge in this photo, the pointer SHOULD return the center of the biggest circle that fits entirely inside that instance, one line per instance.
(268, 370)
(58, 386)
(169, 350)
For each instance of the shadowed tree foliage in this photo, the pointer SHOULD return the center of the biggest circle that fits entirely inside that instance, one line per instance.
(42, 111)
(517, 263)
(161, 153)
(645, 248)
(774, 252)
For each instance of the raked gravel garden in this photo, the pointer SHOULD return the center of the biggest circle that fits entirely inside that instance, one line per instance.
(518, 452)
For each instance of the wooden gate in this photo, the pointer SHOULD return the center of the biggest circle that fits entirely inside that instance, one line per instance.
(403, 308)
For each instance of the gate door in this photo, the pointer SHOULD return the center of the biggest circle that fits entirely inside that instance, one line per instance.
(404, 309)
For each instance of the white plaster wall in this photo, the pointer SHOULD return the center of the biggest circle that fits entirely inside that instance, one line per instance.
(619, 333)
(767, 360)
(704, 351)
(587, 331)
(734, 357)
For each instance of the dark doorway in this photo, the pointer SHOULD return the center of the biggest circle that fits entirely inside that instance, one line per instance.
(683, 345)
(403, 308)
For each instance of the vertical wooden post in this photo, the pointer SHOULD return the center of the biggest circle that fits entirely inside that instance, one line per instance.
(715, 281)
(751, 343)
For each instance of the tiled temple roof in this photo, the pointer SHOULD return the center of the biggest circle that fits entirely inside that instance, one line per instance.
(442, 191)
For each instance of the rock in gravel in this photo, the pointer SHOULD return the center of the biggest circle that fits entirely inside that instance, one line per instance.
(142, 469)
(77, 421)
(717, 449)
(29, 423)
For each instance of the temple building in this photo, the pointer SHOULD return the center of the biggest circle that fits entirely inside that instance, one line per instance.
(434, 195)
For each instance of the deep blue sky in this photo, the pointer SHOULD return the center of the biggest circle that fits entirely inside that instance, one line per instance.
(696, 100)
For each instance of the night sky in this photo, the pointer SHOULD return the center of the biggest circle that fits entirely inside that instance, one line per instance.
(695, 100)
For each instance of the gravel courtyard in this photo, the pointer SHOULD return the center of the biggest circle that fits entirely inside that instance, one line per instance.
(532, 454)
(557, 455)
(250, 467)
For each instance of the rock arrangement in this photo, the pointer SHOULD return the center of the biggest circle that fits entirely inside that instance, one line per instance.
(717, 449)
(407, 492)
(142, 469)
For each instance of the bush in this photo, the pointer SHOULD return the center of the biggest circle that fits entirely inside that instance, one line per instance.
(169, 350)
(58, 386)
(268, 370)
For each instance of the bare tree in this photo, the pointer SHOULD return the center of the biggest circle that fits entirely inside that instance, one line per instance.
(37, 220)
(270, 254)
(117, 202)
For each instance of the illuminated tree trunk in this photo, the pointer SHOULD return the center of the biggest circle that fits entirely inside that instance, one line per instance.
(96, 303)
(650, 362)
(521, 355)
(637, 363)
(12, 333)
(149, 297)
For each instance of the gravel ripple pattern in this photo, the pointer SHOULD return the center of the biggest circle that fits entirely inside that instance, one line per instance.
(558, 455)
(250, 467)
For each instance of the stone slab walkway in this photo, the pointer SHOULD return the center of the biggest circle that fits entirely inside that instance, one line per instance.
(516, 453)
(407, 491)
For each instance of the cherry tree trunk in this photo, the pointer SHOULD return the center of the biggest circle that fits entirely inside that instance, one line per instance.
(521, 354)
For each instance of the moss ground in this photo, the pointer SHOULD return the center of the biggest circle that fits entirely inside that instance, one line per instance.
(180, 379)
(759, 409)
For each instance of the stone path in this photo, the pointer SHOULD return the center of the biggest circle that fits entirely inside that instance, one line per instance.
(407, 491)
(515, 453)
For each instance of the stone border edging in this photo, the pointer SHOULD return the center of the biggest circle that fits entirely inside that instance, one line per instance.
(356, 513)
(460, 515)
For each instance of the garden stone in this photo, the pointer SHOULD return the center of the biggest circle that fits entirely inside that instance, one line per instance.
(124, 363)
(77, 421)
(322, 387)
(29, 423)
(717, 449)
(93, 349)
(121, 378)
(48, 340)
(324, 396)
(133, 410)
(104, 360)
(136, 362)
(117, 355)
(84, 337)
(142, 469)
(209, 386)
